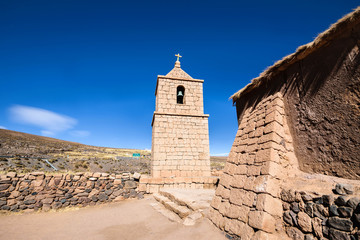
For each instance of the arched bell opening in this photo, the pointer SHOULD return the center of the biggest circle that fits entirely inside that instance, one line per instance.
(180, 94)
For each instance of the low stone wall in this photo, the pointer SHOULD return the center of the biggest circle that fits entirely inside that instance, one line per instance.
(152, 185)
(37, 191)
(308, 215)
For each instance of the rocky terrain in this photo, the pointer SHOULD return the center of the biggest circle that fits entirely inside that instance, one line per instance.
(24, 152)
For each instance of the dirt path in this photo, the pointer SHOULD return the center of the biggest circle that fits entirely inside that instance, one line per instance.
(132, 219)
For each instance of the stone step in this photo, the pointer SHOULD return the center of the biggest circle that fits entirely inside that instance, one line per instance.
(180, 210)
(194, 199)
(159, 207)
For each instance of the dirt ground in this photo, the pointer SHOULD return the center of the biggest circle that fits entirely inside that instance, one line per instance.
(131, 219)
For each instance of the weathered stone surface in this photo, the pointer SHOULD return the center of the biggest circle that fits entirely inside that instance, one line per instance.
(333, 210)
(119, 199)
(317, 226)
(5, 181)
(56, 205)
(344, 189)
(5, 207)
(269, 204)
(136, 175)
(307, 197)
(236, 196)
(309, 209)
(328, 200)
(287, 195)
(4, 194)
(294, 206)
(341, 201)
(46, 207)
(140, 195)
(320, 211)
(340, 224)
(28, 202)
(2, 203)
(103, 197)
(233, 211)
(109, 192)
(295, 233)
(260, 235)
(309, 237)
(294, 218)
(4, 186)
(304, 222)
(262, 220)
(192, 218)
(353, 202)
(224, 208)
(345, 212)
(10, 202)
(47, 200)
(287, 218)
(130, 185)
(11, 174)
(338, 235)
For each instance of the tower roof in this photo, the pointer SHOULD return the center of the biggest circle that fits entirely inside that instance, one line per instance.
(177, 72)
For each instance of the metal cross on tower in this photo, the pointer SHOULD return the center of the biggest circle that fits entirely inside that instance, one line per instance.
(178, 56)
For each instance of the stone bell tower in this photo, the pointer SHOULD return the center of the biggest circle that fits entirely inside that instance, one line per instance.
(180, 134)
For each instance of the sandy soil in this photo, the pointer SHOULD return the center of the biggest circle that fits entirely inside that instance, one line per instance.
(131, 219)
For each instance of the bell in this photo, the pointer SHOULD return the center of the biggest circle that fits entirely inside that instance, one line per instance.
(180, 94)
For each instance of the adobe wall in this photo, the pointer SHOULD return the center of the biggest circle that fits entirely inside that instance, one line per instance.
(323, 102)
(37, 191)
(180, 146)
(262, 164)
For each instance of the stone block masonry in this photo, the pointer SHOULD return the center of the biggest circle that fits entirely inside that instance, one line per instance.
(247, 202)
(166, 95)
(153, 185)
(181, 146)
(37, 191)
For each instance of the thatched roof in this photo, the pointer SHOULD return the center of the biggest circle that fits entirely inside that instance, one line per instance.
(335, 30)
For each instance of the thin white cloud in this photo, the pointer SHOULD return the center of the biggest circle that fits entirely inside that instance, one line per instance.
(50, 122)
(47, 133)
(220, 155)
(80, 133)
(2, 127)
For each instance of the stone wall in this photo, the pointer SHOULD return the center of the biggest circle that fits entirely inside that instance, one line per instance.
(153, 185)
(309, 215)
(37, 191)
(180, 146)
(166, 96)
(247, 202)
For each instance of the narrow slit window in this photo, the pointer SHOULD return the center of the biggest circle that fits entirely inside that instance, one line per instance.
(180, 93)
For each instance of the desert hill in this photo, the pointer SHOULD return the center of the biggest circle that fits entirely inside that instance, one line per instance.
(26, 152)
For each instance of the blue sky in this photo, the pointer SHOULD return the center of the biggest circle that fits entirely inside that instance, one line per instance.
(85, 71)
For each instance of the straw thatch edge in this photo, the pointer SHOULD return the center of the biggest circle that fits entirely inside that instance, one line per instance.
(335, 30)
